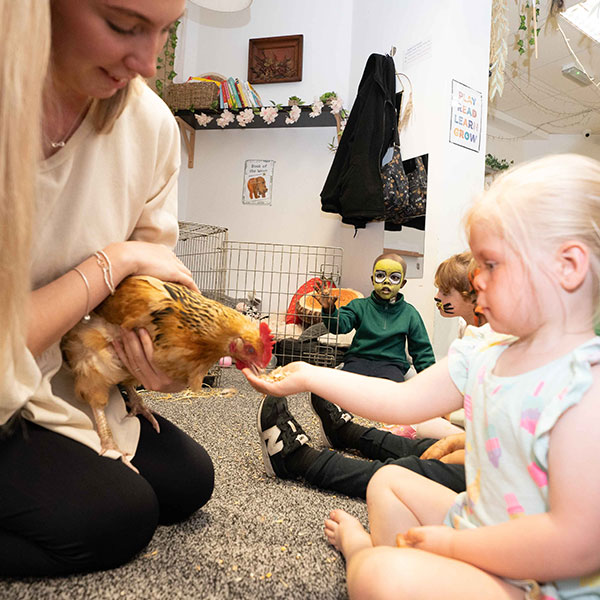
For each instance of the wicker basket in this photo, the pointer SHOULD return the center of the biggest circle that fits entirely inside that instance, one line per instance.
(195, 94)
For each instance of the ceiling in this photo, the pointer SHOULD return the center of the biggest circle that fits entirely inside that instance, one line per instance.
(538, 99)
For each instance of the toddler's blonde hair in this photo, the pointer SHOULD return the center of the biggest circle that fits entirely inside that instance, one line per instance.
(538, 205)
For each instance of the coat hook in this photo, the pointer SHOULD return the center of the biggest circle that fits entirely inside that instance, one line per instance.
(393, 51)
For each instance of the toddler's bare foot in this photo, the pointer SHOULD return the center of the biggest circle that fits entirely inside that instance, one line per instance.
(345, 533)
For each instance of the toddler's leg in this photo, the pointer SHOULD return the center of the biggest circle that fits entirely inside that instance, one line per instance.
(346, 534)
(384, 572)
(398, 499)
(437, 428)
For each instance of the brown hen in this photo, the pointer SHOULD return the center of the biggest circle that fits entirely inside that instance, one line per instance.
(189, 331)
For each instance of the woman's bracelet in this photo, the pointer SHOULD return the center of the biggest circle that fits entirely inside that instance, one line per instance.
(86, 316)
(104, 263)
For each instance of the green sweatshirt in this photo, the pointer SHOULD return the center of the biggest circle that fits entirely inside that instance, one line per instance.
(382, 330)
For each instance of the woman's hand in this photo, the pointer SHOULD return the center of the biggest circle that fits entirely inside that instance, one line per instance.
(136, 352)
(146, 258)
(291, 379)
(432, 538)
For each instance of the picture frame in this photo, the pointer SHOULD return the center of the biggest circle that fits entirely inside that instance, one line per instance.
(275, 59)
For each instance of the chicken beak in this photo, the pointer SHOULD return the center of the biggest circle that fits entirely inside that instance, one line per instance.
(256, 370)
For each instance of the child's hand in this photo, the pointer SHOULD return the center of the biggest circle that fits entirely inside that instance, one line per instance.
(323, 296)
(291, 379)
(443, 448)
(432, 538)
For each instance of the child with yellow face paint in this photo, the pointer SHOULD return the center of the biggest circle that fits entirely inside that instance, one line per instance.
(384, 324)
(388, 277)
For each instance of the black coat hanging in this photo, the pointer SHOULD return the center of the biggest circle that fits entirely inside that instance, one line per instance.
(353, 187)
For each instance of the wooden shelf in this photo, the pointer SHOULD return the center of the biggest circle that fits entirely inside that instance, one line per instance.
(188, 124)
(325, 119)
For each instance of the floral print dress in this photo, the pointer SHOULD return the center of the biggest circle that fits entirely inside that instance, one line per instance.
(508, 424)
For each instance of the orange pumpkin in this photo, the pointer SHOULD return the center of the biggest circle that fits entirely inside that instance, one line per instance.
(308, 307)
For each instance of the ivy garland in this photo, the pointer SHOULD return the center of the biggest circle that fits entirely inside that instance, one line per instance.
(166, 61)
(497, 164)
(531, 32)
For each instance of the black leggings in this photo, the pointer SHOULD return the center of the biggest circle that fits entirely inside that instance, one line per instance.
(64, 509)
(332, 470)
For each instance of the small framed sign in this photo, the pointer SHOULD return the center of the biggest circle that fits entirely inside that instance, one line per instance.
(258, 182)
(465, 119)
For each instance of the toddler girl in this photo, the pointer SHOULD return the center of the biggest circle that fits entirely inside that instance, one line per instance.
(528, 525)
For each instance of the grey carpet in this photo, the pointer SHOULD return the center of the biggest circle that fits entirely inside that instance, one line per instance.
(257, 538)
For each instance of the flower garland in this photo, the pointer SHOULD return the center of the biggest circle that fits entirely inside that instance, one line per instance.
(269, 113)
(225, 118)
(203, 119)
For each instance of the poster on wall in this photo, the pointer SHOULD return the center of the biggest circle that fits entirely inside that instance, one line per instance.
(465, 120)
(258, 182)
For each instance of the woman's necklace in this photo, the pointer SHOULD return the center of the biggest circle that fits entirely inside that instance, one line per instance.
(60, 143)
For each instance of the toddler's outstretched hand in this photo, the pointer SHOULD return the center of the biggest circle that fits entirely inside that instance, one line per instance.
(283, 381)
(431, 538)
(323, 296)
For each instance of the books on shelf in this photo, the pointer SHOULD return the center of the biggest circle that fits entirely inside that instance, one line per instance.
(237, 102)
(235, 93)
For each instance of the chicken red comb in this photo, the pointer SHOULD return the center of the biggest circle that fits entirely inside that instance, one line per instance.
(268, 342)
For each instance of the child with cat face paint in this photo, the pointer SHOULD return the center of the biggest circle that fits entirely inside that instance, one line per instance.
(455, 296)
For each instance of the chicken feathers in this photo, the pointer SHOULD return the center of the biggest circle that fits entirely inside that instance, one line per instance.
(190, 333)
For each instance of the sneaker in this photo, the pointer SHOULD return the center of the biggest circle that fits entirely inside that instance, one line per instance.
(331, 417)
(280, 434)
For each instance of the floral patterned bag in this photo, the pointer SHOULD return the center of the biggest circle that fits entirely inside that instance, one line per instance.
(395, 187)
(404, 188)
(417, 186)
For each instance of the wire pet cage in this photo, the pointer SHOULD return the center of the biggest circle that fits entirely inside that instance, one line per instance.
(267, 282)
(201, 248)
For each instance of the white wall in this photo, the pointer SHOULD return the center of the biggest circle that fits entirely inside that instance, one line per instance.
(458, 33)
(338, 38)
(212, 191)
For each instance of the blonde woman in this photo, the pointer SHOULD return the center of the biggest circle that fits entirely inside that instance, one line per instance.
(105, 209)
(22, 72)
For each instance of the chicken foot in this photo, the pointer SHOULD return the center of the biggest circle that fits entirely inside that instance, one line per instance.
(106, 438)
(137, 406)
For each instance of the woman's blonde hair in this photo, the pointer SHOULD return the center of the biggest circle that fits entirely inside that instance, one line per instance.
(538, 205)
(24, 52)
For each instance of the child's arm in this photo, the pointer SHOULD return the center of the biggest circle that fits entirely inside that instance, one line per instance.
(419, 345)
(559, 544)
(342, 320)
(429, 394)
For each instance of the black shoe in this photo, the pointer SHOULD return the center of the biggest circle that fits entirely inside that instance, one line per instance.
(280, 434)
(331, 418)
